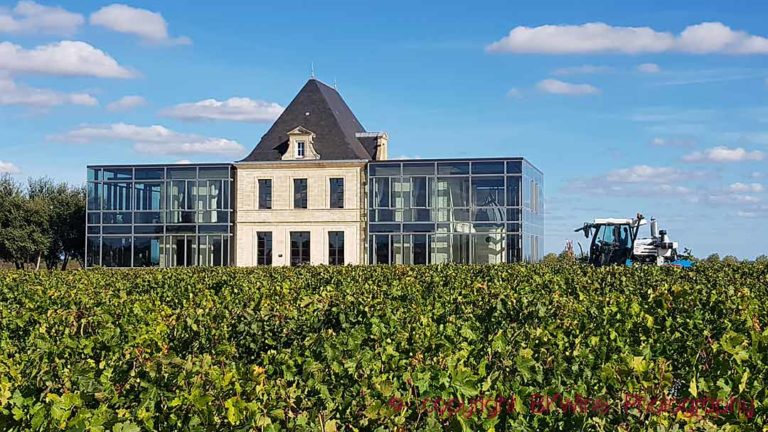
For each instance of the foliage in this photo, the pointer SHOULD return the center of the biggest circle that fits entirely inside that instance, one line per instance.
(44, 220)
(327, 348)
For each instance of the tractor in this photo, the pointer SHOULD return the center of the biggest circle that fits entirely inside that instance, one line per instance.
(616, 242)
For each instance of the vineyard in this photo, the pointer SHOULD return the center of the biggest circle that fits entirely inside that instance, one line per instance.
(512, 347)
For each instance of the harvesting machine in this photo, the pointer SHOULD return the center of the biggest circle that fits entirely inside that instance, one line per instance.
(617, 241)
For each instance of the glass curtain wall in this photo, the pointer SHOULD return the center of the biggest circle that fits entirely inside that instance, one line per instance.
(458, 211)
(159, 216)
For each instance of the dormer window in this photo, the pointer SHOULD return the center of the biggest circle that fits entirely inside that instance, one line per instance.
(300, 149)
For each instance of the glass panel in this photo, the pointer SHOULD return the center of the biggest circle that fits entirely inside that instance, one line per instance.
(336, 247)
(452, 168)
(94, 174)
(300, 248)
(191, 195)
(460, 248)
(149, 196)
(489, 248)
(94, 218)
(401, 249)
(513, 191)
(513, 214)
(204, 194)
(116, 229)
(385, 228)
(148, 229)
(514, 250)
(439, 248)
(264, 248)
(93, 252)
(300, 193)
(419, 227)
(213, 229)
(116, 218)
(118, 173)
(418, 168)
(419, 248)
(381, 192)
(116, 251)
(487, 167)
(225, 259)
(382, 249)
(94, 230)
(214, 173)
(180, 229)
(147, 252)
(514, 167)
(452, 192)
(488, 214)
(488, 191)
(419, 191)
(401, 192)
(148, 217)
(204, 249)
(219, 250)
(94, 196)
(265, 193)
(176, 251)
(191, 254)
(117, 196)
(182, 173)
(422, 215)
(149, 173)
(384, 169)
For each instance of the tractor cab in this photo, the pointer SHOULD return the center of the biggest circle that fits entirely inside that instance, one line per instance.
(612, 241)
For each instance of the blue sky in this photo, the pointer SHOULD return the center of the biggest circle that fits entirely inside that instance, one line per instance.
(658, 107)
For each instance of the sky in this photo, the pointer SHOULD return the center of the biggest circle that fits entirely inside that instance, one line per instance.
(655, 107)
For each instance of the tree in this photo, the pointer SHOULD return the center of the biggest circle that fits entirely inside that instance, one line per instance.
(713, 258)
(45, 221)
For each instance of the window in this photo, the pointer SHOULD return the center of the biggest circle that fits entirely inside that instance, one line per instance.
(300, 149)
(300, 193)
(300, 248)
(265, 193)
(337, 192)
(263, 248)
(336, 247)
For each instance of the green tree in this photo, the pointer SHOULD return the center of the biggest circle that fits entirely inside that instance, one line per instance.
(713, 258)
(23, 225)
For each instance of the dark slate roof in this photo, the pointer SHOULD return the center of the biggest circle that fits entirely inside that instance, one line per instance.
(369, 143)
(329, 118)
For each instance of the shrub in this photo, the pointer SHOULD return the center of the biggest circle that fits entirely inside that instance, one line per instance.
(383, 348)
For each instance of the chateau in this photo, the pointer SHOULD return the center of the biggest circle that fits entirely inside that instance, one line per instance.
(317, 189)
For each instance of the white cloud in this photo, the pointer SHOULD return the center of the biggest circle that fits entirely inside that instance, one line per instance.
(757, 175)
(724, 154)
(152, 139)
(126, 103)
(745, 187)
(563, 88)
(649, 68)
(8, 168)
(582, 70)
(149, 26)
(672, 142)
(515, 93)
(646, 174)
(233, 109)
(704, 38)
(18, 94)
(29, 17)
(68, 58)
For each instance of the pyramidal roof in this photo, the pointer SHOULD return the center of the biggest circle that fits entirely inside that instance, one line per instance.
(320, 109)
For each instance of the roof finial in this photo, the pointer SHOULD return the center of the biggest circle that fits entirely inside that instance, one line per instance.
(312, 67)
(335, 87)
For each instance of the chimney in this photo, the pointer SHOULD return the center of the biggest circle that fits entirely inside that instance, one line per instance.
(381, 146)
